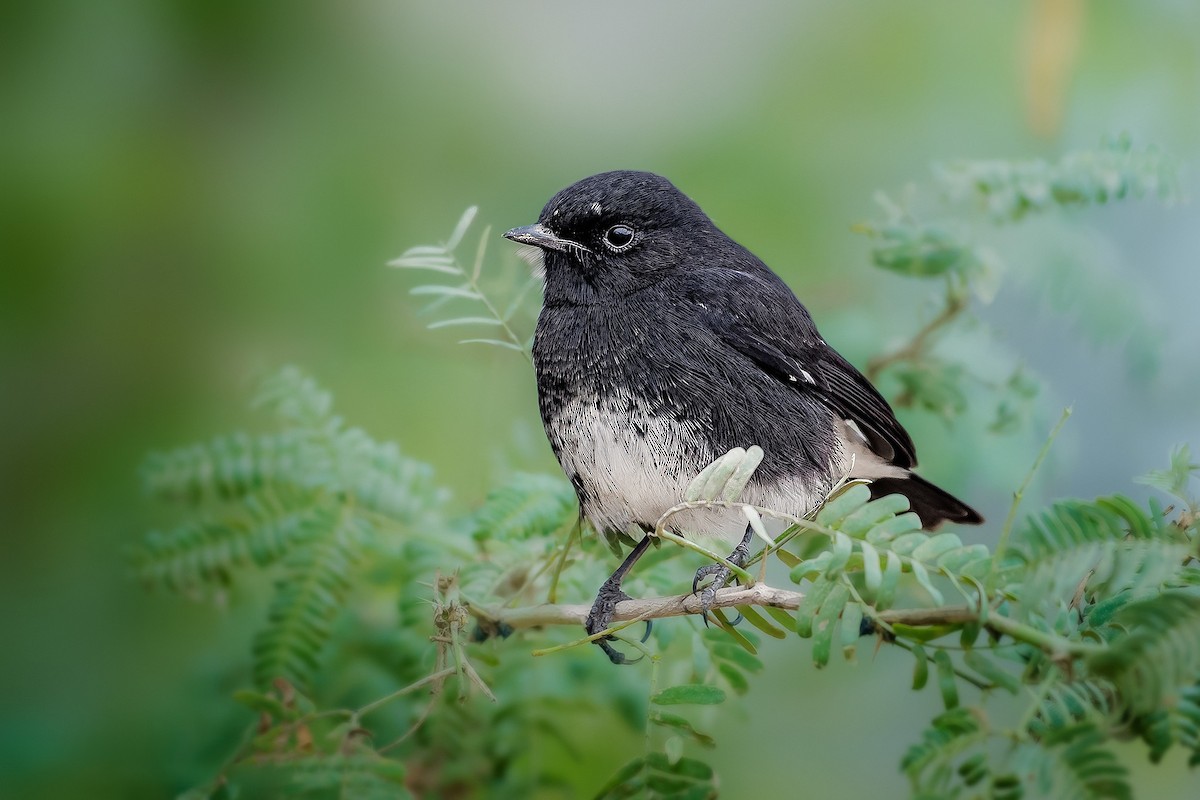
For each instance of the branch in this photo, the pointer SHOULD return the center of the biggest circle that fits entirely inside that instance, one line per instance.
(956, 303)
(761, 594)
(649, 608)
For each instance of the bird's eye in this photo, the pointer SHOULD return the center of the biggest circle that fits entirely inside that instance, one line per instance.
(618, 238)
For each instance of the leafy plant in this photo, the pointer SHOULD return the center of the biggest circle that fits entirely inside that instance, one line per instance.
(1085, 619)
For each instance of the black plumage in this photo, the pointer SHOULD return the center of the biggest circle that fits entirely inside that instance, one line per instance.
(662, 344)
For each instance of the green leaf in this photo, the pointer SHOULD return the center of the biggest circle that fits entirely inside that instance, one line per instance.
(751, 615)
(782, 617)
(992, 671)
(936, 546)
(947, 680)
(922, 633)
(718, 615)
(872, 570)
(789, 559)
(957, 560)
(446, 323)
(851, 624)
(1175, 479)
(873, 513)
(922, 577)
(813, 568)
(445, 291)
(906, 543)
(891, 579)
(1109, 546)
(707, 484)
(843, 504)
(460, 229)
(843, 546)
(736, 655)
(433, 263)
(737, 680)
(809, 606)
(689, 694)
(893, 528)
(949, 734)
(742, 473)
(494, 343)
(680, 724)
(826, 623)
(920, 668)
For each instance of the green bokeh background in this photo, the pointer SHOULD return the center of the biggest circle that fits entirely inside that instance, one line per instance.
(193, 193)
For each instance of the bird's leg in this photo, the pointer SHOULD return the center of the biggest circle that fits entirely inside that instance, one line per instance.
(606, 602)
(720, 574)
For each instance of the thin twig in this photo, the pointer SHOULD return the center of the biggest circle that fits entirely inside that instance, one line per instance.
(956, 303)
(552, 592)
(412, 687)
(1002, 544)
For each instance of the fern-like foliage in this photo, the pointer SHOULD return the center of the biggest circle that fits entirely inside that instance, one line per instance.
(1087, 623)
(933, 234)
(528, 506)
(1158, 653)
(458, 284)
(1078, 765)
(657, 776)
(1175, 479)
(1094, 609)
(944, 755)
(1101, 548)
(313, 497)
(1013, 189)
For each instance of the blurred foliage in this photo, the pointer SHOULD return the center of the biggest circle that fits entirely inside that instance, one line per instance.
(1087, 620)
(956, 251)
(1094, 608)
(198, 192)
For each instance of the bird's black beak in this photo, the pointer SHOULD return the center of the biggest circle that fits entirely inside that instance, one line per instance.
(539, 235)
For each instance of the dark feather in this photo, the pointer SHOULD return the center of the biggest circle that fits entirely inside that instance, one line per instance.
(933, 505)
(759, 316)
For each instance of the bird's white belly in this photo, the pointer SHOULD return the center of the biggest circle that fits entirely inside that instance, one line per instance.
(634, 467)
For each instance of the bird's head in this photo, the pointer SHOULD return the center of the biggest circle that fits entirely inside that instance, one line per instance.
(613, 234)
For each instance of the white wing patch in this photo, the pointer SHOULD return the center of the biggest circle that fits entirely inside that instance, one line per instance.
(866, 463)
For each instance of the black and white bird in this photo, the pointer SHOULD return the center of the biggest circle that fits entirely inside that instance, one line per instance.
(663, 344)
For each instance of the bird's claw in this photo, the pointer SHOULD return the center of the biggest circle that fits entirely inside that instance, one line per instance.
(720, 576)
(708, 595)
(601, 615)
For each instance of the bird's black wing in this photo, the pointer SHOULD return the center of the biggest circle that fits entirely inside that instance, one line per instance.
(756, 314)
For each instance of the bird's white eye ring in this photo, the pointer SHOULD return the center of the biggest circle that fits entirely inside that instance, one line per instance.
(619, 238)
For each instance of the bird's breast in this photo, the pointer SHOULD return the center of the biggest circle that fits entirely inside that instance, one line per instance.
(635, 406)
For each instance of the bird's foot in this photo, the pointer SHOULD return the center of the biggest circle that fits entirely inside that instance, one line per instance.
(720, 575)
(601, 615)
(708, 595)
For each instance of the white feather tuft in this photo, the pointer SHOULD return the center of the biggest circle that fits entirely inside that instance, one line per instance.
(534, 257)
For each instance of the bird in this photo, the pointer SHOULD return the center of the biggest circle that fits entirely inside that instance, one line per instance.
(661, 345)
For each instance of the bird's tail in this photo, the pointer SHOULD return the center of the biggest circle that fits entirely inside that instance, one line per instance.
(933, 505)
